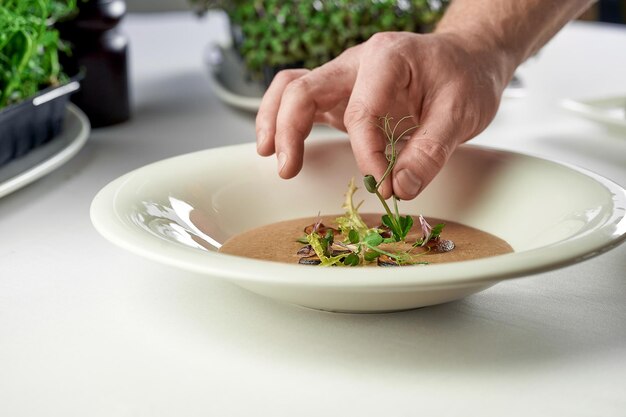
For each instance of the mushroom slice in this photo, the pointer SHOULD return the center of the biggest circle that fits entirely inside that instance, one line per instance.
(306, 250)
(384, 260)
(337, 252)
(310, 260)
(444, 245)
(385, 231)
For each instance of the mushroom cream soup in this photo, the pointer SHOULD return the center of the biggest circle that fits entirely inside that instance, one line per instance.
(284, 242)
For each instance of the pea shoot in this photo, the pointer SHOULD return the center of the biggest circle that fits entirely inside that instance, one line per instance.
(362, 244)
(399, 225)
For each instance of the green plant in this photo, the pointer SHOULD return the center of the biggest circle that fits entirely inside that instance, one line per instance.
(399, 225)
(362, 244)
(308, 33)
(29, 47)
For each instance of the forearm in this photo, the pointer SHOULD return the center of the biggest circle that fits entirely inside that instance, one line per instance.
(515, 29)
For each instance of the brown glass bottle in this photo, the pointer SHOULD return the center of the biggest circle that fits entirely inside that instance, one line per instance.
(101, 51)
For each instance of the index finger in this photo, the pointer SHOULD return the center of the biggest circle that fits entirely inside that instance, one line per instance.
(374, 96)
(266, 116)
(318, 91)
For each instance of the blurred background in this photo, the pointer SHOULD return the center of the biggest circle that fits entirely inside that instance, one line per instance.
(613, 11)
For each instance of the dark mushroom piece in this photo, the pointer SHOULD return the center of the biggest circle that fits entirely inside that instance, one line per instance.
(444, 245)
(338, 248)
(385, 231)
(384, 260)
(306, 250)
(309, 260)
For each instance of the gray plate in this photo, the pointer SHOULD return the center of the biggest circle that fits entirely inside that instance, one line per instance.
(46, 158)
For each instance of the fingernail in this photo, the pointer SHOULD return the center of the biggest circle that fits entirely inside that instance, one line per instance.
(282, 160)
(407, 182)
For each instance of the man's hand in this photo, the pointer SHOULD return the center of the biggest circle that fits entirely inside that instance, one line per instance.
(450, 82)
(450, 92)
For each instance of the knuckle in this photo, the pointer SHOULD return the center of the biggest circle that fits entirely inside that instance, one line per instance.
(282, 77)
(474, 118)
(298, 86)
(432, 154)
(348, 53)
(286, 76)
(356, 113)
(287, 135)
(389, 44)
(331, 71)
(459, 115)
(382, 39)
(387, 47)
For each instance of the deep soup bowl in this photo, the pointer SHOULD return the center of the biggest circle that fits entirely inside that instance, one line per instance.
(180, 210)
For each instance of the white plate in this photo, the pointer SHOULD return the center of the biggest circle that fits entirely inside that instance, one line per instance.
(230, 81)
(609, 111)
(178, 210)
(48, 157)
(232, 84)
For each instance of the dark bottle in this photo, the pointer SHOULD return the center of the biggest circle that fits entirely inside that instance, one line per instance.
(101, 51)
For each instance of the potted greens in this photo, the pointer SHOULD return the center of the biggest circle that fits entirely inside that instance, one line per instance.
(271, 35)
(34, 87)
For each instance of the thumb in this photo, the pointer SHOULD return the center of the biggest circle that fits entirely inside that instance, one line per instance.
(425, 153)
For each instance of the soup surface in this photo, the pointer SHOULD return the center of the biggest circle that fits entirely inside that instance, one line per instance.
(278, 241)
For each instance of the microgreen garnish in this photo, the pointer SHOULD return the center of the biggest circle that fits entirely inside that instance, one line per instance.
(352, 260)
(351, 220)
(359, 246)
(399, 225)
(322, 247)
(428, 232)
(362, 244)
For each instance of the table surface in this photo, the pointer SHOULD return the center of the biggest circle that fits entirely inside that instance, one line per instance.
(89, 329)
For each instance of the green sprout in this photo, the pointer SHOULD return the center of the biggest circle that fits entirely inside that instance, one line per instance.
(399, 225)
(361, 243)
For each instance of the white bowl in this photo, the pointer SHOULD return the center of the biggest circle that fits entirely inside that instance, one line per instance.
(607, 111)
(178, 210)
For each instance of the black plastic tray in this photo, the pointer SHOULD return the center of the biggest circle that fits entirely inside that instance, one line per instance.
(33, 122)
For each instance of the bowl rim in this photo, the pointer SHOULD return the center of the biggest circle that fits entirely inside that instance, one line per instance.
(609, 234)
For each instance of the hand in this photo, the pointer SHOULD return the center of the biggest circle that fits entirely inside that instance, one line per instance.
(450, 86)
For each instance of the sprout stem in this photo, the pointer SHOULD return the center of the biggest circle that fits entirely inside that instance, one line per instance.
(395, 206)
(384, 203)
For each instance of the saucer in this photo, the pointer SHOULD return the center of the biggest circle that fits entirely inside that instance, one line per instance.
(48, 157)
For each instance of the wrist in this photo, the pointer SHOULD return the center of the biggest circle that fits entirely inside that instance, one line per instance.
(507, 31)
(499, 60)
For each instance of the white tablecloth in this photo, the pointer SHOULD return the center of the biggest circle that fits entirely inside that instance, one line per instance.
(89, 329)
